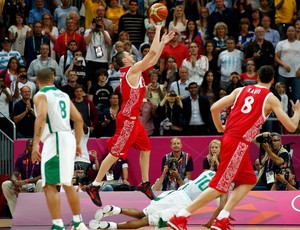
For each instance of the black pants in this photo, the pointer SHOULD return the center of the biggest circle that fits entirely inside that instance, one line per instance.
(195, 130)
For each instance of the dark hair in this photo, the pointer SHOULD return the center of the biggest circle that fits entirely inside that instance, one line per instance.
(133, 1)
(22, 16)
(10, 60)
(21, 67)
(145, 46)
(195, 32)
(266, 74)
(205, 46)
(101, 72)
(119, 58)
(114, 94)
(72, 41)
(230, 38)
(78, 86)
(192, 83)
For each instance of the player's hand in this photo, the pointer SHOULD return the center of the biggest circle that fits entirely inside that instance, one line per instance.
(78, 151)
(157, 27)
(167, 37)
(295, 106)
(36, 155)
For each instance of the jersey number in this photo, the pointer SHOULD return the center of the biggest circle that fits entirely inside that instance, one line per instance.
(203, 183)
(247, 107)
(63, 111)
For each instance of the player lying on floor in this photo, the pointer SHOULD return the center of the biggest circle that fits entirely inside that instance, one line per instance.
(161, 209)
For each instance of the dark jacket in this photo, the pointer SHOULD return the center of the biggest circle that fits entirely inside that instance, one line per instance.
(92, 111)
(204, 107)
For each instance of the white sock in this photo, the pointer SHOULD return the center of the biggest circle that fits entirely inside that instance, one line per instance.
(58, 222)
(96, 183)
(223, 214)
(77, 218)
(183, 212)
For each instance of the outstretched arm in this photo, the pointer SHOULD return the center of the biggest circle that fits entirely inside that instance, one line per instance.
(152, 57)
(290, 123)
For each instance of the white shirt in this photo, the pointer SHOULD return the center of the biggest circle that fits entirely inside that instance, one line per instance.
(97, 40)
(4, 104)
(290, 54)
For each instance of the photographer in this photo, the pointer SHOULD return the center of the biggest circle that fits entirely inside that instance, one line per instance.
(21, 81)
(274, 157)
(170, 178)
(98, 41)
(285, 180)
(170, 111)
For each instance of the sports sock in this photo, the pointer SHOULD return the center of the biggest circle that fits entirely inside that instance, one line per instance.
(77, 218)
(223, 214)
(96, 183)
(183, 212)
(58, 222)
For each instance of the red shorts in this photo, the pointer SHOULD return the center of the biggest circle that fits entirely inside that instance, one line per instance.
(129, 132)
(235, 165)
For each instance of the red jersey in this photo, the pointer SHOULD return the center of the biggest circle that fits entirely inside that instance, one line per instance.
(247, 113)
(132, 97)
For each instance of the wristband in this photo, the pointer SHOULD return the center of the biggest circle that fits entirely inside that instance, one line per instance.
(285, 183)
(26, 181)
(178, 178)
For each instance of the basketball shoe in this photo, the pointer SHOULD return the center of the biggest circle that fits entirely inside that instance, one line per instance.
(108, 210)
(178, 222)
(146, 189)
(93, 192)
(56, 227)
(222, 224)
(79, 226)
(95, 224)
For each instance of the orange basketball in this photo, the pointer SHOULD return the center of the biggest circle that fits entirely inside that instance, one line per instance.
(158, 12)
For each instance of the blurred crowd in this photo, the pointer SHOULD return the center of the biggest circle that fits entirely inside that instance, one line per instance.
(218, 46)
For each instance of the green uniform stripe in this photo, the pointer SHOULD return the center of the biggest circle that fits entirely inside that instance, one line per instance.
(57, 144)
(47, 88)
(52, 167)
(49, 124)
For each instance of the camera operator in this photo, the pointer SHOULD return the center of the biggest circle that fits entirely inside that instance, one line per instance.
(98, 41)
(275, 157)
(170, 178)
(21, 81)
(285, 180)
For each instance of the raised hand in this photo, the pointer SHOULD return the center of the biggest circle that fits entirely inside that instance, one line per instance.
(167, 37)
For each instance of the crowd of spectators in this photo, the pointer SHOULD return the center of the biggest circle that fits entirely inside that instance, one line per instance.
(218, 46)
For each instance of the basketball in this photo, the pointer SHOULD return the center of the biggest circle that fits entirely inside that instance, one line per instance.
(158, 12)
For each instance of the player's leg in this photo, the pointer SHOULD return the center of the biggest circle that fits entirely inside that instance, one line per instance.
(133, 224)
(237, 195)
(73, 199)
(105, 166)
(133, 212)
(144, 164)
(53, 203)
(142, 143)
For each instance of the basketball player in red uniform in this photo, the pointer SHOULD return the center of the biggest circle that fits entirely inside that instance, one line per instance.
(129, 129)
(251, 107)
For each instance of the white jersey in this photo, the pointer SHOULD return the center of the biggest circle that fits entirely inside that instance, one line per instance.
(58, 117)
(195, 187)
